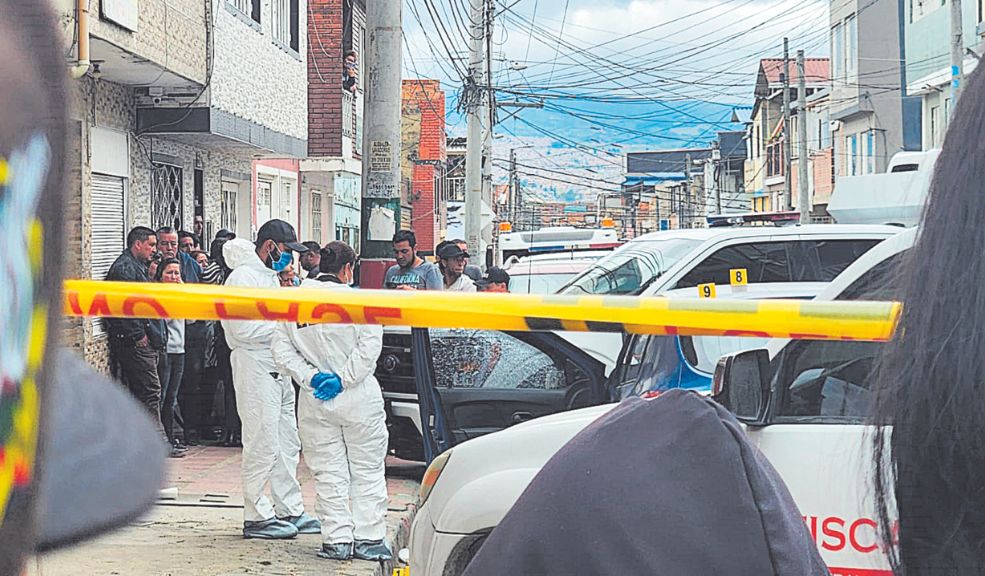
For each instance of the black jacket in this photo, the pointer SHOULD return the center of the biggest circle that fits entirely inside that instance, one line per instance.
(668, 486)
(124, 331)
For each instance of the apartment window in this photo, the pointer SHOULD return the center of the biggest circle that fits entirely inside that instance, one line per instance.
(249, 7)
(935, 125)
(286, 200)
(851, 48)
(852, 155)
(284, 19)
(230, 194)
(870, 152)
(837, 52)
(316, 216)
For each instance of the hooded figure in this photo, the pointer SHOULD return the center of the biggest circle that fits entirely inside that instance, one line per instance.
(265, 400)
(343, 424)
(663, 486)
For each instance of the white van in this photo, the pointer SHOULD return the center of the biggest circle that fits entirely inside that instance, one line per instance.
(809, 423)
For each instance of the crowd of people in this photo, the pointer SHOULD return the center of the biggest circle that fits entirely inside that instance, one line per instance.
(273, 388)
(451, 272)
(181, 366)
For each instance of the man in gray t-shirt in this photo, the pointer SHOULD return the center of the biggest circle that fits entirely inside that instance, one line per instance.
(410, 272)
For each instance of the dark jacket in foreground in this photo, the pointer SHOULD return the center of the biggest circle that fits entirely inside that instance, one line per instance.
(668, 486)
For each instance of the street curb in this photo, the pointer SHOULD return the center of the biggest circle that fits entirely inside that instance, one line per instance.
(399, 537)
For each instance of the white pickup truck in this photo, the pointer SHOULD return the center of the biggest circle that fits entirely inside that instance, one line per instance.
(652, 264)
(808, 419)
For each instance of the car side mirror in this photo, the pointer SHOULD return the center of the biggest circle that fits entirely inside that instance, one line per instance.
(741, 384)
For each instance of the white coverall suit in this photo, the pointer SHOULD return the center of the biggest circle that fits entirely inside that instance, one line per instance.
(271, 448)
(345, 438)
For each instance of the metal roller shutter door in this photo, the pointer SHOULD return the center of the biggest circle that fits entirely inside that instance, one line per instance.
(108, 228)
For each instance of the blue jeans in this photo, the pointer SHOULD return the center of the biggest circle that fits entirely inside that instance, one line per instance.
(170, 369)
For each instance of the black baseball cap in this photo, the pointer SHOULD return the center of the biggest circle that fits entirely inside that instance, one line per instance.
(449, 251)
(225, 234)
(494, 275)
(280, 232)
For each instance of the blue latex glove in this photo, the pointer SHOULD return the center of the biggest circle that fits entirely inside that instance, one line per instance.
(326, 385)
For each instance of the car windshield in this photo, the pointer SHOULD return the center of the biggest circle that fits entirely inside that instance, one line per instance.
(538, 283)
(631, 268)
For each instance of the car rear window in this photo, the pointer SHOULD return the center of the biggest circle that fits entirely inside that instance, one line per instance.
(779, 261)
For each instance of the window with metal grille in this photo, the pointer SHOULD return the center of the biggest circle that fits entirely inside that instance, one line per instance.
(166, 196)
(249, 7)
(284, 20)
(316, 216)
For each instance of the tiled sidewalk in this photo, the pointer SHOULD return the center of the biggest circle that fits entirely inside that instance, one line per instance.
(211, 475)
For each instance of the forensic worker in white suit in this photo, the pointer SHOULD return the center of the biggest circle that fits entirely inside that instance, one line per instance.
(264, 397)
(341, 418)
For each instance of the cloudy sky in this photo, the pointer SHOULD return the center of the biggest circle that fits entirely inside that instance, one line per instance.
(613, 75)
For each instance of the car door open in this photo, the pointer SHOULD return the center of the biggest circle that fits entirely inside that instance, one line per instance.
(480, 381)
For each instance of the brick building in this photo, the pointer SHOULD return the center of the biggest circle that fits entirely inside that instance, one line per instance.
(331, 176)
(181, 98)
(423, 146)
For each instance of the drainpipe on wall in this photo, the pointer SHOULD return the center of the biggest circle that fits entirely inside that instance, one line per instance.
(82, 66)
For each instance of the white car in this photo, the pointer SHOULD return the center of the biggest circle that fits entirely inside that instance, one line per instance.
(652, 264)
(808, 425)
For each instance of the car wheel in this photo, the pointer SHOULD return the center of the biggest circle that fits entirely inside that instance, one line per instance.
(463, 553)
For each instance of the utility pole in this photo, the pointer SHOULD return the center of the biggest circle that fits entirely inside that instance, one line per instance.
(381, 139)
(787, 149)
(687, 191)
(803, 193)
(474, 141)
(514, 206)
(715, 162)
(957, 54)
(489, 113)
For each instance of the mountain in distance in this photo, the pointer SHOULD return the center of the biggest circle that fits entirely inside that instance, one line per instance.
(571, 151)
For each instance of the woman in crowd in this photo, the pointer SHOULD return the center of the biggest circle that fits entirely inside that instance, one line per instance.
(201, 257)
(171, 366)
(341, 418)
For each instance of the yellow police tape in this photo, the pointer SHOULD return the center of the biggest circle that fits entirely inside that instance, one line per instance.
(632, 314)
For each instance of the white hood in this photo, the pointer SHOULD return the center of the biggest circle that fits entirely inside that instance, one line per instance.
(249, 272)
(239, 252)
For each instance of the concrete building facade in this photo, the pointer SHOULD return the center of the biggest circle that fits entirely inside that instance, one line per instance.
(927, 37)
(866, 85)
(167, 121)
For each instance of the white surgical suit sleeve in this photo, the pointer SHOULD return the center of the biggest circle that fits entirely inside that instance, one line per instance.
(289, 359)
(245, 330)
(362, 362)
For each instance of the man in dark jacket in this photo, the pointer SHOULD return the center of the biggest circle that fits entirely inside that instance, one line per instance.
(136, 344)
